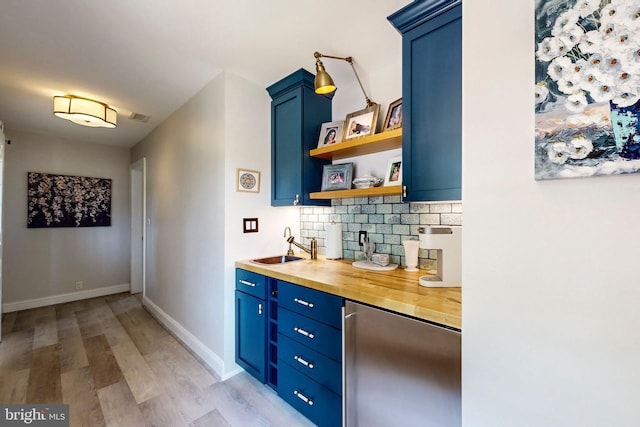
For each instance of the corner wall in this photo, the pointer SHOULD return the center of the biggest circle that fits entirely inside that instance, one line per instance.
(41, 266)
(195, 231)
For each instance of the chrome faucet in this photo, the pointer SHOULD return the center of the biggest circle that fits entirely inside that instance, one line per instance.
(290, 251)
(311, 250)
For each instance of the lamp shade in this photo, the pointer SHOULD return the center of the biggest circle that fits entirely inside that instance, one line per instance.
(323, 82)
(85, 112)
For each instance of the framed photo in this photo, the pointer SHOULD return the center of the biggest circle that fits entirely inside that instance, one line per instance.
(361, 123)
(393, 176)
(394, 116)
(330, 133)
(337, 177)
(247, 180)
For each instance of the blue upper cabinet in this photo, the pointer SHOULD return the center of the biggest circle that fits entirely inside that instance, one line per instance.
(297, 114)
(431, 99)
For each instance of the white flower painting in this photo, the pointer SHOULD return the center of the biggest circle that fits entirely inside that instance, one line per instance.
(67, 201)
(587, 93)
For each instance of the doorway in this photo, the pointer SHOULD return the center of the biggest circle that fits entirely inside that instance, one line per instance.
(138, 174)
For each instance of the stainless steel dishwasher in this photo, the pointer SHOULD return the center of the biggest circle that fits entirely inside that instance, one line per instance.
(399, 371)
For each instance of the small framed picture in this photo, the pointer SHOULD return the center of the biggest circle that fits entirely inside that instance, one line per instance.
(330, 133)
(394, 116)
(361, 123)
(393, 175)
(247, 180)
(337, 177)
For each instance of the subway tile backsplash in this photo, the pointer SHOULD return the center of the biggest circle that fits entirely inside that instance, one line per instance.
(387, 221)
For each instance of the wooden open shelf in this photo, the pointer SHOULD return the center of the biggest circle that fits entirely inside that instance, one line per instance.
(391, 190)
(360, 146)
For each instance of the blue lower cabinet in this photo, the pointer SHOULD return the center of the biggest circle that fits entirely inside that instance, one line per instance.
(313, 334)
(313, 400)
(251, 335)
(318, 367)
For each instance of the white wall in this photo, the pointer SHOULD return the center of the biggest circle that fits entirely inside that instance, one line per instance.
(185, 207)
(46, 262)
(248, 128)
(551, 290)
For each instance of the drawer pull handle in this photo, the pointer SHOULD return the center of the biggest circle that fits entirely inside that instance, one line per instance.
(260, 308)
(303, 302)
(303, 362)
(244, 282)
(304, 398)
(303, 332)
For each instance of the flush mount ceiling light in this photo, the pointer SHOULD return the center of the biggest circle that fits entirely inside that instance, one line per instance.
(324, 83)
(83, 111)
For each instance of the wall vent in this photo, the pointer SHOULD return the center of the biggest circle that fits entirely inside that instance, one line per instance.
(139, 117)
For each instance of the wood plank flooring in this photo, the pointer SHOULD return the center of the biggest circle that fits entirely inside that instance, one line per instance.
(115, 365)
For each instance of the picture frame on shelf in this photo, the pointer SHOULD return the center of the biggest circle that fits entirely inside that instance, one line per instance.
(337, 177)
(393, 174)
(394, 116)
(361, 123)
(330, 133)
(247, 180)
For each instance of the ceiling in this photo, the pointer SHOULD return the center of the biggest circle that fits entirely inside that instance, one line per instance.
(151, 57)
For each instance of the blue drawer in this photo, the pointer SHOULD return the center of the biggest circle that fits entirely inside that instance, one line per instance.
(251, 283)
(317, 305)
(315, 335)
(318, 367)
(314, 401)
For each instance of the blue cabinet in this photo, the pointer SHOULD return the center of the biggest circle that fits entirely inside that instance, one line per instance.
(290, 337)
(431, 99)
(251, 323)
(310, 352)
(297, 114)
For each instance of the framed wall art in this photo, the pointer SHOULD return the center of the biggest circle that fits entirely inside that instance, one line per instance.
(394, 116)
(587, 88)
(393, 174)
(361, 123)
(330, 133)
(337, 177)
(247, 180)
(67, 201)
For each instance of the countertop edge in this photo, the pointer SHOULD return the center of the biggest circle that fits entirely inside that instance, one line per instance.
(302, 277)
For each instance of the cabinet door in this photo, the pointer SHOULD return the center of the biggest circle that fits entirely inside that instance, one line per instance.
(432, 104)
(251, 335)
(286, 149)
(297, 114)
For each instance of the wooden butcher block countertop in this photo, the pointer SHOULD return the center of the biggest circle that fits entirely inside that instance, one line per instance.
(395, 290)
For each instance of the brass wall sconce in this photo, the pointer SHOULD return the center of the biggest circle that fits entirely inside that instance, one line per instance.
(324, 83)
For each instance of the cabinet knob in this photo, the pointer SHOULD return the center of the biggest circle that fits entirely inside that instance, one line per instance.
(304, 333)
(303, 302)
(244, 282)
(296, 201)
(404, 191)
(304, 398)
(303, 362)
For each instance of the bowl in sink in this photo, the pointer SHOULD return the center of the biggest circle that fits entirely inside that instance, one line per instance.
(278, 259)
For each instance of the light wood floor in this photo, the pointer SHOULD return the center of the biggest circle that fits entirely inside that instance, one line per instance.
(116, 366)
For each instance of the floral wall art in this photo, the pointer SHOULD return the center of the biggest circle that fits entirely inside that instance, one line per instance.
(587, 89)
(67, 201)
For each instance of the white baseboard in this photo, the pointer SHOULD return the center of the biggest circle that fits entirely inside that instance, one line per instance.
(60, 299)
(213, 361)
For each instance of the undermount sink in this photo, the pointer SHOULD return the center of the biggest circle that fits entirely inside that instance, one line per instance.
(280, 259)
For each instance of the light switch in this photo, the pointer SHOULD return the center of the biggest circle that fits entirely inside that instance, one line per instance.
(250, 225)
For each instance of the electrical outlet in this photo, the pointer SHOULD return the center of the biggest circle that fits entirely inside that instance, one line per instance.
(361, 236)
(79, 285)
